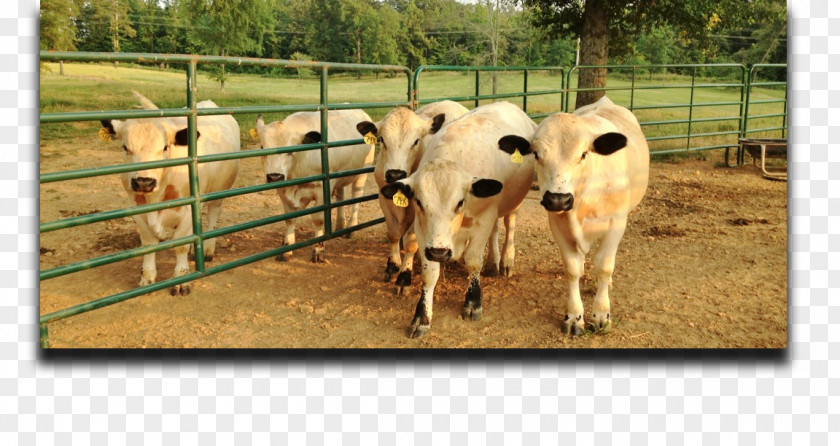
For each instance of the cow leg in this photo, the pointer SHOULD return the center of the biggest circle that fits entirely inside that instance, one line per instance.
(289, 237)
(491, 268)
(318, 219)
(358, 191)
(404, 278)
(474, 258)
(214, 209)
(182, 263)
(506, 266)
(149, 272)
(603, 266)
(422, 320)
(573, 323)
(341, 222)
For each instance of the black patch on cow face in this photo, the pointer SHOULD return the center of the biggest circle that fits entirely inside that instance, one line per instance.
(366, 127)
(609, 143)
(437, 122)
(108, 126)
(388, 191)
(511, 143)
(486, 188)
(182, 137)
(311, 138)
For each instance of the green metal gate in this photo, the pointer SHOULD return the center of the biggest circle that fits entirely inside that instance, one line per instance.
(192, 161)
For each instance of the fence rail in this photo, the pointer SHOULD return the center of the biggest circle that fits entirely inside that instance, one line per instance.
(413, 100)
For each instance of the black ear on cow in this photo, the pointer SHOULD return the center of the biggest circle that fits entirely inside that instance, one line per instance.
(609, 143)
(486, 188)
(109, 127)
(311, 138)
(388, 191)
(183, 135)
(510, 143)
(366, 127)
(437, 122)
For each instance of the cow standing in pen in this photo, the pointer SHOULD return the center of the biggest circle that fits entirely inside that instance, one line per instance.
(592, 167)
(402, 136)
(471, 175)
(304, 128)
(164, 138)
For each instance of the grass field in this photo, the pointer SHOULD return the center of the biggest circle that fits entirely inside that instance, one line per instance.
(87, 87)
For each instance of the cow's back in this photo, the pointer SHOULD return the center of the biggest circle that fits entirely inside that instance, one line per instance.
(607, 116)
(472, 142)
(341, 126)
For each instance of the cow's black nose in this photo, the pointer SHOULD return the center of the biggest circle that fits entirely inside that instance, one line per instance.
(143, 184)
(393, 175)
(438, 254)
(272, 177)
(557, 202)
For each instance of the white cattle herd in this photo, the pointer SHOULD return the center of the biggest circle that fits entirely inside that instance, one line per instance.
(448, 178)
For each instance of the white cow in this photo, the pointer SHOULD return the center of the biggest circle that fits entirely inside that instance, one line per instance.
(163, 138)
(402, 136)
(469, 177)
(304, 128)
(593, 170)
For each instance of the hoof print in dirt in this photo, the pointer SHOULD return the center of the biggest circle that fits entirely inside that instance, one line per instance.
(471, 312)
(417, 330)
(182, 289)
(573, 325)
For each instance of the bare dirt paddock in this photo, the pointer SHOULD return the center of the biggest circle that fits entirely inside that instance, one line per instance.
(703, 264)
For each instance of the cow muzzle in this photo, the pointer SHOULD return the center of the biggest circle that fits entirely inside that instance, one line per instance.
(438, 254)
(143, 184)
(394, 175)
(274, 177)
(557, 202)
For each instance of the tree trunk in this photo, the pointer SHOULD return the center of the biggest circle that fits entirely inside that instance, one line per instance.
(594, 50)
(358, 55)
(222, 77)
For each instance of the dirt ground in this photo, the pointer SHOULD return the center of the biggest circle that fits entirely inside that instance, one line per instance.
(702, 265)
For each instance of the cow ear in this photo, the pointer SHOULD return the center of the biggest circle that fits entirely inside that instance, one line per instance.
(609, 143)
(512, 143)
(110, 129)
(182, 137)
(437, 122)
(366, 127)
(485, 188)
(389, 190)
(311, 138)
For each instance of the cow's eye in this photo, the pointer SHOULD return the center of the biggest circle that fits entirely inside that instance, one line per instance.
(536, 157)
(419, 205)
(416, 141)
(583, 157)
(125, 149)
(165, 148)
(458, 206)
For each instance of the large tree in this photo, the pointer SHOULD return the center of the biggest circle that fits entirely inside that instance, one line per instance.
(58, 26)
(606, 26)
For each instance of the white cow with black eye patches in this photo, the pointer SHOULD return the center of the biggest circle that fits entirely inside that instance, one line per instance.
(402, 135)
(163, 138)
(469, 177)
(592, 168)
(304, 128)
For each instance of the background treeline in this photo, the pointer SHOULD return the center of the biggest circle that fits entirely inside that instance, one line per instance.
(402, 32)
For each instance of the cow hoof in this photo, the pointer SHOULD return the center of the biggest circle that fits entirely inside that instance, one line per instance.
(600, 323)
(182, 289)
(144, 280)
(348, 235)
(573, 325)
(390, 269)
(417, 330)
(207, 257)
(283, 257)
(490, 271)
(471, 312)
(507, 271)
(318, 253)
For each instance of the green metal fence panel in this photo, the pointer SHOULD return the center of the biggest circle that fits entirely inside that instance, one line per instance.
(722, 138)
(478, 97)
(192, 160)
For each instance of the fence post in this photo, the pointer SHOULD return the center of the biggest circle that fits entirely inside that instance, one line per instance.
(325, 158)
(632, 87)
(195, 192)
(690, 108)
(525, 91)
(477, 86)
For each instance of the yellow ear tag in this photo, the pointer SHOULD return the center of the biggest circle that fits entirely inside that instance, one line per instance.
(516, 157)
(370, 138)
(105, 134)
(400, 200)
(254, 133)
